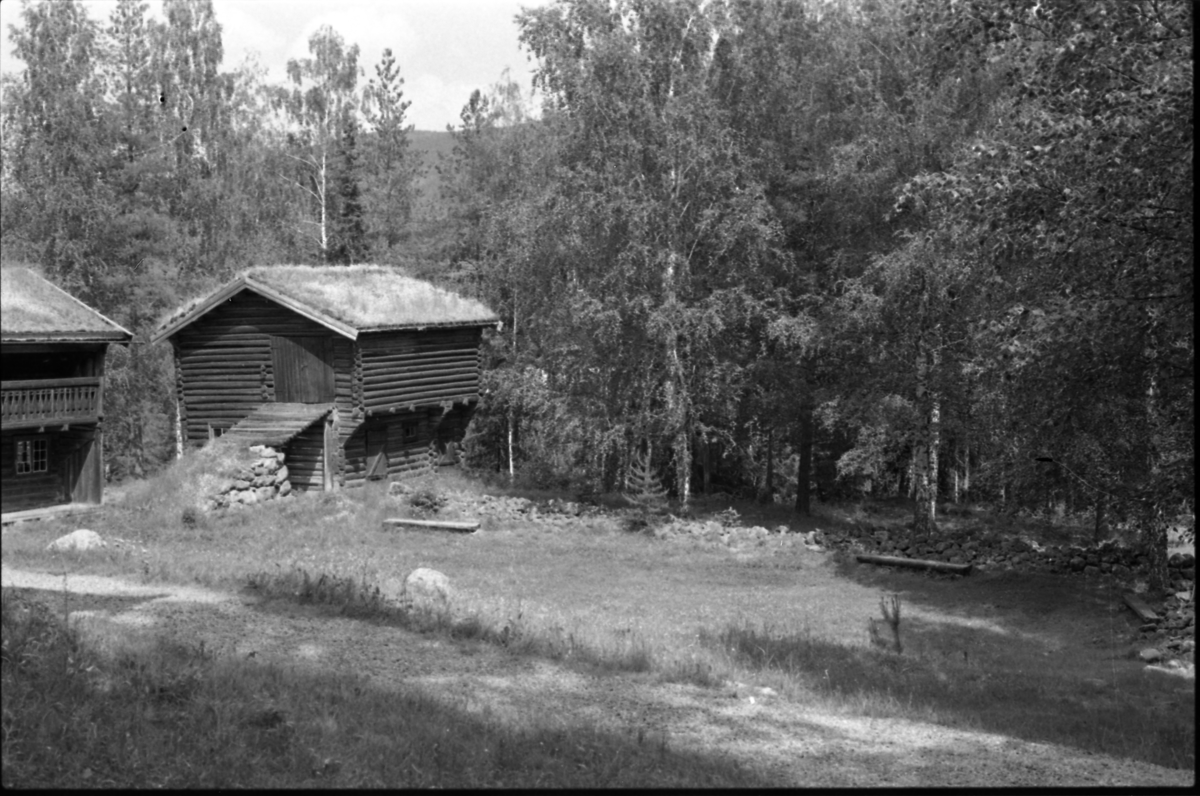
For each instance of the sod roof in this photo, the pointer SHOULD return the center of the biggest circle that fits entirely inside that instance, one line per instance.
(346, 298)
(34, 309)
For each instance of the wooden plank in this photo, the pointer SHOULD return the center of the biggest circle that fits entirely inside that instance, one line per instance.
(401, 394)
(395, 523)
(402, 383)
(66, 509)
(379, 378)
(1140, 608)
(915, 563)
(34, 384)
(417, 403)
(378, 360)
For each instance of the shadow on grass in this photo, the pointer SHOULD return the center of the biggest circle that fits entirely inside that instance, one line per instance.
(72, 601)
(1028, 656)
(172, 715)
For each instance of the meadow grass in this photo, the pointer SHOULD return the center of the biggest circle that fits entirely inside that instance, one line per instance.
(145, 713)
(991, 652)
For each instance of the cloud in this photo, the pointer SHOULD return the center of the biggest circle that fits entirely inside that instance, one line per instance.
(372, 32)
(243, 32)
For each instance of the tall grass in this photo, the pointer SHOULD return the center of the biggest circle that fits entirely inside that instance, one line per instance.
(947, 687)
(154, 714)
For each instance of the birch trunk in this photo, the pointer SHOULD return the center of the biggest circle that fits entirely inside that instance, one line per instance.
(926, 454)
(323, 198)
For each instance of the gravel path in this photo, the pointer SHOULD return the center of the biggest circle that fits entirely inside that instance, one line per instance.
(788, 744)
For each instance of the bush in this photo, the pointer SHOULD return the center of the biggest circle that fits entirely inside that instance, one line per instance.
(427, 499)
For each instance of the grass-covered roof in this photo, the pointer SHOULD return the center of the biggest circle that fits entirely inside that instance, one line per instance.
(32, 309)
(347, 298)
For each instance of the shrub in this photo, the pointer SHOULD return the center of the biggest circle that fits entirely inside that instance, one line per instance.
(427, 499)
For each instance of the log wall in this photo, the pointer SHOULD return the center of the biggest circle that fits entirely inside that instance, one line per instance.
(305, 458)
(432, 432)
(71, 465)
(225, 364)
(409, 369)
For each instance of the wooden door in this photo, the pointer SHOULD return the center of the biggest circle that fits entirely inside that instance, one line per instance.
(377, 454)
(303, 369)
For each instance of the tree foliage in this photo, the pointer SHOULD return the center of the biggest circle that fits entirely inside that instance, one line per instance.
(940, 249)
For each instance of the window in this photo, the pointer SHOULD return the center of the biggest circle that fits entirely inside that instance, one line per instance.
(33, 455)
(410, 431)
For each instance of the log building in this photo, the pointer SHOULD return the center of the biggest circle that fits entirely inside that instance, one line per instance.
(52, 349)
(356, 372)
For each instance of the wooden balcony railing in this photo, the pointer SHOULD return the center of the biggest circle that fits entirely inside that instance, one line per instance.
(45, 402)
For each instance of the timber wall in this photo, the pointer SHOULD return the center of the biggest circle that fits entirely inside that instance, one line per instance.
(433, 433)
(224, 366)
(304, 457)
(409, 369)
(67, 457)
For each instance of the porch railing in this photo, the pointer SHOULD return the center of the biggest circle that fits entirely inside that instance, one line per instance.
(44, 402)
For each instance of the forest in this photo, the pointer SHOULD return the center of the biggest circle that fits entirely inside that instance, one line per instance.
(935, 250)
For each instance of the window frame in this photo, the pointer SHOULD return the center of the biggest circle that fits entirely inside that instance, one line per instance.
(32, 461)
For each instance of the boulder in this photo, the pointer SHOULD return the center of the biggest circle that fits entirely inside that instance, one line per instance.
(82, 539)
(265, 492)
(1150, 655)
(285, 489)
(426, 587)
(281, 475)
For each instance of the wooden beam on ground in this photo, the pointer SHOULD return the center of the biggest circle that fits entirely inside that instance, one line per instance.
(48, 512)
(430, 525)
(915, 563)
(1140, 608)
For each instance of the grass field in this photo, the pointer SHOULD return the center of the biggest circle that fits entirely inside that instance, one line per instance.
(1028, 656)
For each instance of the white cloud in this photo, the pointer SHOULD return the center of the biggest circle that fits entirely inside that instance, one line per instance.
(444, 48)
(243, 33)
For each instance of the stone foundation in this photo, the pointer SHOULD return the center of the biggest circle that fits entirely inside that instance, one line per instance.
(265, 479)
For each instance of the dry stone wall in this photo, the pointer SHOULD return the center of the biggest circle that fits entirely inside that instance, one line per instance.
(264, 479)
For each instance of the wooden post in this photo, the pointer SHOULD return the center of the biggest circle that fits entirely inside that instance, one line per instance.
(327, 480)
(915, 563)
(430, 525)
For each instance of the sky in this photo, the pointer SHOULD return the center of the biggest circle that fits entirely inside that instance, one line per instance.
(445, 48)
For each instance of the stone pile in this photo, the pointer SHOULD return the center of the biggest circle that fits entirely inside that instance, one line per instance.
(1175, 630)
(263, 480)
(519, 508)
(714, 533)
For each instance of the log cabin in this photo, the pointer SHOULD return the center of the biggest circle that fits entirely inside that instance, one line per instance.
(52, 349)
(354, 372)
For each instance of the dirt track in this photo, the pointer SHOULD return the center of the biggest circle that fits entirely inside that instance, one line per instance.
(787, 744)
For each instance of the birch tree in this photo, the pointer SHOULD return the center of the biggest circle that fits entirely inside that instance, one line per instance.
(322, 92)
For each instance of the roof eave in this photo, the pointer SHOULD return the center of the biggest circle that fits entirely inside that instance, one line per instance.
(426, 325)
(121, 338)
